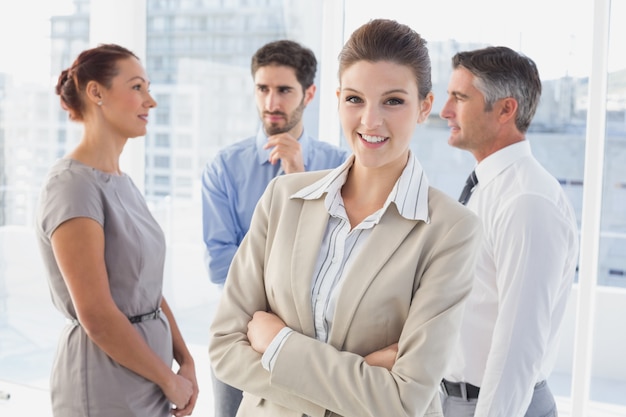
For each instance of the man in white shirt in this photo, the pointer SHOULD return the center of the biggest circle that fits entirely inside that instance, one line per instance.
(525, 269)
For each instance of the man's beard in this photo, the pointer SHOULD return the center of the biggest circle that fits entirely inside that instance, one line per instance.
(291, 120)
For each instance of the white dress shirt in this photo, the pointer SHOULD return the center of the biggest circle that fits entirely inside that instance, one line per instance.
(341, 244)
(523, 278)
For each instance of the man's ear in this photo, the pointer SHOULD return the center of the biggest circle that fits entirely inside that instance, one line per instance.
(309, 93)
(507, 108)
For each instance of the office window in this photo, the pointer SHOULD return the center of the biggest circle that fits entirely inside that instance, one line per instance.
(184, 163)
(162, 140)
(60, 27)
(162, 116)
(183, 141)
(613, 229)
(183, 182)
(161, 161)
(157, 23)
(161, 180)
(609, 344)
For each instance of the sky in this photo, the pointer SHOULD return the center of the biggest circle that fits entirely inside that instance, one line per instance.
(25, 36)
(522, 25)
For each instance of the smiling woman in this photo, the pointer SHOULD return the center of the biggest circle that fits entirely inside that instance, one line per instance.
(327, 249)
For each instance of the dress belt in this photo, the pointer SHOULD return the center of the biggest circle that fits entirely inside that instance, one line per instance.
(153, 315)
(148, 316)
(460, 389)
(466, 390)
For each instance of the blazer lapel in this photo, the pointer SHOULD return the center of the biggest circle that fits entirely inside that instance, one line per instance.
(386, 237)
(309, 234)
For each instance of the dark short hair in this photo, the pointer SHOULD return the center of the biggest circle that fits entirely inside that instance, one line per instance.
(96, 64)
(501, 72)
(290, 54)
(388, 40)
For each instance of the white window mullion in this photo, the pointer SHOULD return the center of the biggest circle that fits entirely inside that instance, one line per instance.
(591, 211)
(332, 42)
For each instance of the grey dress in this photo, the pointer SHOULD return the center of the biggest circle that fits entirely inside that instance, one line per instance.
(85, 382)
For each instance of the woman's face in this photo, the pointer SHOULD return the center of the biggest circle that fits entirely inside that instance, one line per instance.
(127, 102)
(379, 108)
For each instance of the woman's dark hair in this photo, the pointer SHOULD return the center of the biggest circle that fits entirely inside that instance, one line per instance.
(96, 64)
(388, 40)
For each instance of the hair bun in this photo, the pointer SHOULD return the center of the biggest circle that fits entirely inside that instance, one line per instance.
(65, 75)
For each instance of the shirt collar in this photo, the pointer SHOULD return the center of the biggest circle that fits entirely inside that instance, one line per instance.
(264, 154)
(409, 194)
(494, 164)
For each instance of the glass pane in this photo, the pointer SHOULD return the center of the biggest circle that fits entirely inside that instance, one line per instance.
(557, 134)
(609, 369)
(30, 138)
(612, 270)
(198, 58)
(563, 60)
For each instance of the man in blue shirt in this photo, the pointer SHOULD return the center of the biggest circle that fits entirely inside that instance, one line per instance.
(232, 183)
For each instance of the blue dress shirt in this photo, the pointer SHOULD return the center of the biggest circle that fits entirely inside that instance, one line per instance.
(232, 184)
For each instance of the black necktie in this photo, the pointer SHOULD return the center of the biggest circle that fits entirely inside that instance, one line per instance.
(470, 184)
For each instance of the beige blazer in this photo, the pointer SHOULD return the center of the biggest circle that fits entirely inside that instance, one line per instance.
(408, 285)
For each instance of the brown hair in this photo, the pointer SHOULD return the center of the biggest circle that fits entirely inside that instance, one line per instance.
(96, 64)
(388, 40)
(289, 54)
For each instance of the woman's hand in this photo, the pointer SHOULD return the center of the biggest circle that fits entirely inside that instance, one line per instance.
(179, 390)
(262, 329)
(188, 371)
(386, 357)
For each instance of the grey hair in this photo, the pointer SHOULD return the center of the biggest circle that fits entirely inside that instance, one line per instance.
(499, 72)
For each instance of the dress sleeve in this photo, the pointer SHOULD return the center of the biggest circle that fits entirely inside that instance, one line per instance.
(67, 195)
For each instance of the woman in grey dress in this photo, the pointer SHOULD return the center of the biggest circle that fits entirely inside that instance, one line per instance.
(104, 254)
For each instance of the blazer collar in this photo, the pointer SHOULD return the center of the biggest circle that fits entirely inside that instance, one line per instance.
(409, 194)
(308, 234)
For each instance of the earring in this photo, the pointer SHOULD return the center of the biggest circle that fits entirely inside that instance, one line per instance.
(100, 103)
